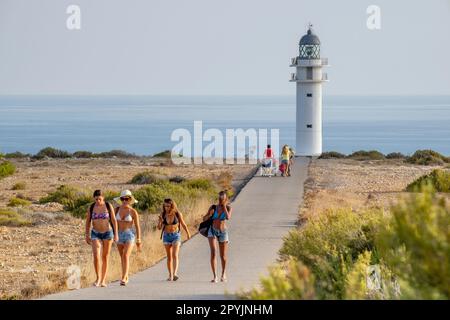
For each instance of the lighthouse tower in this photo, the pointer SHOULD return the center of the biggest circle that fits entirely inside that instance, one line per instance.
(309, 78)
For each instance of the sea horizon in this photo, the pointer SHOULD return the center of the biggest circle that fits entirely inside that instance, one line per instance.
(142, 124)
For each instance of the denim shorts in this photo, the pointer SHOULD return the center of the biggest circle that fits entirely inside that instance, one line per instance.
(171, 238)
(221, 236)
(108, 235)
(126, 236)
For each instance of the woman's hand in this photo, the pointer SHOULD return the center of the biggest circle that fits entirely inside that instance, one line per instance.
(88, 240)
(139, 246)
(188, 235)
(116, 238)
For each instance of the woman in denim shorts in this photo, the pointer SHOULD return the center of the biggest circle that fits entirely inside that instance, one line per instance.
(100, 216)
(126, 216)
(170, 221)
(218, 233)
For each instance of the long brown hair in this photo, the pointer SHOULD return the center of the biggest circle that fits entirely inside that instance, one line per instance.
(173, 207)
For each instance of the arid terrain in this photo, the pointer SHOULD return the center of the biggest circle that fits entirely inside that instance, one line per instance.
(33, 258)
(335, 183)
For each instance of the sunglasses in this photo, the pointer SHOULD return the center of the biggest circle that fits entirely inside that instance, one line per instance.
(125, 199)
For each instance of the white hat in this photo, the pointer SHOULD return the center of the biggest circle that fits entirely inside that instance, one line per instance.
(126, 193)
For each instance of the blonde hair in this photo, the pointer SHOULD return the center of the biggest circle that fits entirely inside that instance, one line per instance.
(285, 149)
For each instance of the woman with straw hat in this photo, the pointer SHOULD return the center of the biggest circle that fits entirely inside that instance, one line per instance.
(126, 216)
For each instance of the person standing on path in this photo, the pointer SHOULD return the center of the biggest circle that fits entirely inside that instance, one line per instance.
(126, 216)
(285, 159)
(170, 222)
(219, 233)
(100, 216)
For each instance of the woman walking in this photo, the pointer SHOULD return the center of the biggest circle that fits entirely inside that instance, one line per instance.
(126, 217)
(218, 233)
(170, 222)
(100, 216)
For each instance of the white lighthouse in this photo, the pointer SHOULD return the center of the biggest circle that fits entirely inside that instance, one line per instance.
(309, 78)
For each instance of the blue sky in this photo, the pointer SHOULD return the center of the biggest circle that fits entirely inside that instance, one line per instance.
(220, 47)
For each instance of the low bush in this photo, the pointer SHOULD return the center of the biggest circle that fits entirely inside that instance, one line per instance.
(6, 169)
(116, 154)
(427, 157)
(344, 254)
(439, 179)
(52, 153)
(415, 245)
(163, 154)
(366, 155)
(331, 155)
(16, 155)
(18, 202)
(19, 186)
(395, 155)
(83, 154)
(145, 177)
(12, 218)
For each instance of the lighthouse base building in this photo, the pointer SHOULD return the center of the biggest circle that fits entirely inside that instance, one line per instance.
(309, 78)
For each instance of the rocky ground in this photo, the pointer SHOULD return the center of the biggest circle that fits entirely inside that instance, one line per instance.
(358, 184)
(29, 255)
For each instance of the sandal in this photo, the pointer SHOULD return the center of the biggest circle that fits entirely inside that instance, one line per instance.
(214, 280)
(175, 278)
(223, 279)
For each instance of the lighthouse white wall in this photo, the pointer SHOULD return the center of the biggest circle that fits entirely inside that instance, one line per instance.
(309, 112)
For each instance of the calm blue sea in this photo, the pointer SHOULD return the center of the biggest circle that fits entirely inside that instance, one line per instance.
(143, 124)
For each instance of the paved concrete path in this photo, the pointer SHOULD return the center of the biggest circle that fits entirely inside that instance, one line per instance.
(264, 211)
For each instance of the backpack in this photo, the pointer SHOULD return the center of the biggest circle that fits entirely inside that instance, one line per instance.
(108, 207)
(204, 227)
(179, 224)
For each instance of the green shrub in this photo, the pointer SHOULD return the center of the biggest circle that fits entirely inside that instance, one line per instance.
(366, 155)
(83, 154)
(151, 196)
(330, 244)
(331, 155)
(293, 283)
(12, 218)
(145, 177)
(427, 157)
(52, 153)
(163, 154)
(395, 155)
(16, 155)
(116, 154)
(203, 184)
(74, 199)
(415, 244)
(18, 202)
(19, 186)
(439, 179)
(410, 248)
(7, 169)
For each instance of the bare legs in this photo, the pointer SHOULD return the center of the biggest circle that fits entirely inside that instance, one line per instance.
(172, 260)
(100, 251)
(96, 255)
(125, 252)
(223, 246)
